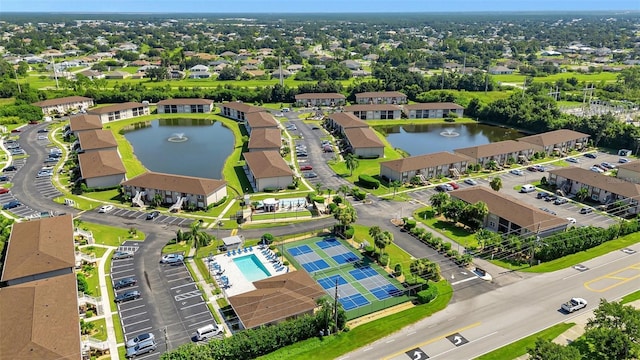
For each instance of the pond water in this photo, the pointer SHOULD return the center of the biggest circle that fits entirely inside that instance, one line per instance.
(190, 147)
(429, 138)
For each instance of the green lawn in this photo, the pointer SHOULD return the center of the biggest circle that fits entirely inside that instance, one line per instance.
(453, 232)
(93, 282)
(100, 329)
(631, 297)
(96, 251)
(80, 202)
(334, 346)
(109, 235)
(519, 348)
(182, 247)
(118, 328)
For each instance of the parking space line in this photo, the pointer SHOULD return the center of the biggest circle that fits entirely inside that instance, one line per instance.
(128, 263)
(134, 315)
(133, 308)
(200, 313)
(186, 278)
(176, 274)
(199, 322)
(138, 322)
(179, 286)
(117, 272)
(172, 270)
(190, 306)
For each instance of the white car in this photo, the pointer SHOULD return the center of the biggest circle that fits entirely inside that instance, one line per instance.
(596, 169)
(140, 338)
(517, 172)
(105, 208)
(470, 182)
(571, 220)
(44, 173)
(172, 259)
(574, 304)
(572, 160)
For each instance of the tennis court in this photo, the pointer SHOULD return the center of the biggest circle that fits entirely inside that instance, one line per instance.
(363, 286)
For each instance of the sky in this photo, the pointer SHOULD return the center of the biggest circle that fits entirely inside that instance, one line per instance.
(310, 6)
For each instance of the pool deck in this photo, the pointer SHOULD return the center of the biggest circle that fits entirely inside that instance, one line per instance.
(239, 283)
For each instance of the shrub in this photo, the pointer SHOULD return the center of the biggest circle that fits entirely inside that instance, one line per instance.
(332, 208)
(360, 195)
(318, 199)
(217, 203)
(349, 232)
(409, 224)
(271, 189)
(267, 238)
(446, 246)
(337, 200)
(383, 259)
(430, 293)
(368, 181)
(397, 270)
(291, 186)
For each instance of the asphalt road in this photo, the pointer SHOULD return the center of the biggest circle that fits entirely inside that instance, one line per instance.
(491, 320)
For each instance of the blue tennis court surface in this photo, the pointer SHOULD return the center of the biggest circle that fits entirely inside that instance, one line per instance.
(344, 258)
(384, 292)
(353, 301)
(302, 249)
(325, 244)
(315, 265)
(363, 273)
(330, 282)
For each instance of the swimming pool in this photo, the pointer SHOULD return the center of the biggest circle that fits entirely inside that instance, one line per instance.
(251, 267)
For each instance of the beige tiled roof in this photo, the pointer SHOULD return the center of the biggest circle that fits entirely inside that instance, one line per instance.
(262, 138)
(85, 122)
(493, 149)
(177, 183)
(600, 181)
(100, 163)
(631, 166)
(267, 164)
(116, 107)
(319, 96)
(62, 101)
(424, 161)
(553, 137)
(433, 106)
(380, 94)
(96, 139)
(245, 108)
(372, 107)
(40, 319)
(276, 299)
(347, 120)
(261, 119)
(510, 208)
(185, 102)
(39, 246)
(363, 138)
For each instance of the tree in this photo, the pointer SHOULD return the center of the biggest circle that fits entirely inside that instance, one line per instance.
(326, 315)
(496, 183)
(439, 201)
(382, 240)
(158, 73)
(395, 184)
(548, 350)
(343, 189)
(157, 199)
(346, 215)
(453, 210)
(351, 162)
(582, 194)
(473, 215)
(198, 237)
(319, 188)
(374, 232)
(614, 332)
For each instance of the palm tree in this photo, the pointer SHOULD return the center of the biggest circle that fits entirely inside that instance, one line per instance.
(157, 199)
(343, 189)
(319, 188)
(496, 183)
(582, 194)
(374, 232)
(346, 215)
(438, 201)
(352, 163)
(198, 237)
(395, 184)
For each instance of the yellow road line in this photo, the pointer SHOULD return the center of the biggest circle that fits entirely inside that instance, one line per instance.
(234, 232)
(611, 275)
(432, 340)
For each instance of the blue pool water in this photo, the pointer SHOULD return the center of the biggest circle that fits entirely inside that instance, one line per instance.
(251, 267)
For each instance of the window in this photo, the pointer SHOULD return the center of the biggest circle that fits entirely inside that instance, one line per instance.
(197, 108)
(139, 111)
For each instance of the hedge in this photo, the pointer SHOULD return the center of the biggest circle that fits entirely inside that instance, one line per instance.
(368, 181)
(430, 293)
(349, 232)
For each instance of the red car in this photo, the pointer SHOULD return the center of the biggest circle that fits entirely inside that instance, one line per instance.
(16, 130)
(33, 122)
(306, 168)
(454, 185)
(3, 190)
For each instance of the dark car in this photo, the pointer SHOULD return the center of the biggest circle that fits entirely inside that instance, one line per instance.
(4, 178)
(310, 175)
(586, 210)
(51, 160)
(3, 190)
(542, 195)
(560, 201)
(591, 155)
(123, 283)
(11, 204)
(41, 131)
(532, 168)
(16, 130)
(127, 296)
(152, 215)
(551, 198)
(10, 168)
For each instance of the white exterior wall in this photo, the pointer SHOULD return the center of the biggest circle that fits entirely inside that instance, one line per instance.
(101, 149)
(124, 114)
(105, 181)
(367, 152)
(185, 109)
(63, 108)
(428, 173)
(279, 182)
(232, 113)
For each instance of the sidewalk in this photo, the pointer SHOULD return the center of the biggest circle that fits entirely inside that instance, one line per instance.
(106, 304)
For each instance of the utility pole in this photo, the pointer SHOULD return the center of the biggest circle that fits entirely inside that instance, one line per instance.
(442, 85)
(335, 307)
(533, 246)
(281, 77)
(55, 71)
(17, 82)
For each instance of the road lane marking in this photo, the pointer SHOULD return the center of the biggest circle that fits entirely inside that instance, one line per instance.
(615, 275)
(478, 339)
(432, 340)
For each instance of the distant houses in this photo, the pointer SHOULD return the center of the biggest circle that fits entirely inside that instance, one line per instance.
(64, 105)
(320, 99)
(381, 97)
(121, 111)
(375, 111)
(433, 110)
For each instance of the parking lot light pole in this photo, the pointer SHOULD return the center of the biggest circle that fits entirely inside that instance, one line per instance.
(218, 235)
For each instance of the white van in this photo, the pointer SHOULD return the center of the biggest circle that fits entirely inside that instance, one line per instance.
(527, 188)
(208, 331)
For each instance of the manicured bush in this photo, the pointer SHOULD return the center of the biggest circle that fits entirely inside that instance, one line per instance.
(349, 232)
(318, 199)
(397, 270)
(360, 195)
(332, 208)
(430, 293)
(337, 199)
(383, 259)
(446, 246)
(409, 224)
(368, 181)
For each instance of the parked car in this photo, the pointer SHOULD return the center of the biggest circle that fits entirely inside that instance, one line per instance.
(571, 220)
(572, 160)
(540, 168)
(315, 128)
(118, 255)
(4, 178)
(152, 215)
(127, 296)
(4, 190)
(560, 201)
(51, 160)
(542, 195)
(207, 331)
(591, 155)
(41, 131)
(574, 304)
(517, 172)
(123, 283)
(608, 165)
(171, 259)
(550, 198)
(596, 169)
(105, 208)
(470, 182)
(306, 168)
(41, 137)
(444, 187)
(532, 168)
(10, 168)
(44, 173)
(140, 338)
(309, 174)
(301, 154)
(527, 188)
(141, 348)
(17, 152)
(454, 185)
(11, 204)
(13, 145)
(16, 130)
(623, 160)
(586, 210)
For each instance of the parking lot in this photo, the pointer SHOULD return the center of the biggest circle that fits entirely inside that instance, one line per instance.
(142, 215)
(570, 209)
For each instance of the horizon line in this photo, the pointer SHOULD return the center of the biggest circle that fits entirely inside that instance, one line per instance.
(329, 12)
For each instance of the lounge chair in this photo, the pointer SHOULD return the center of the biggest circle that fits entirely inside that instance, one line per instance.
(228, 253)
(251, 248)
(233, 252)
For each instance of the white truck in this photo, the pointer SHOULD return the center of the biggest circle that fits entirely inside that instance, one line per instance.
(574, 304)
